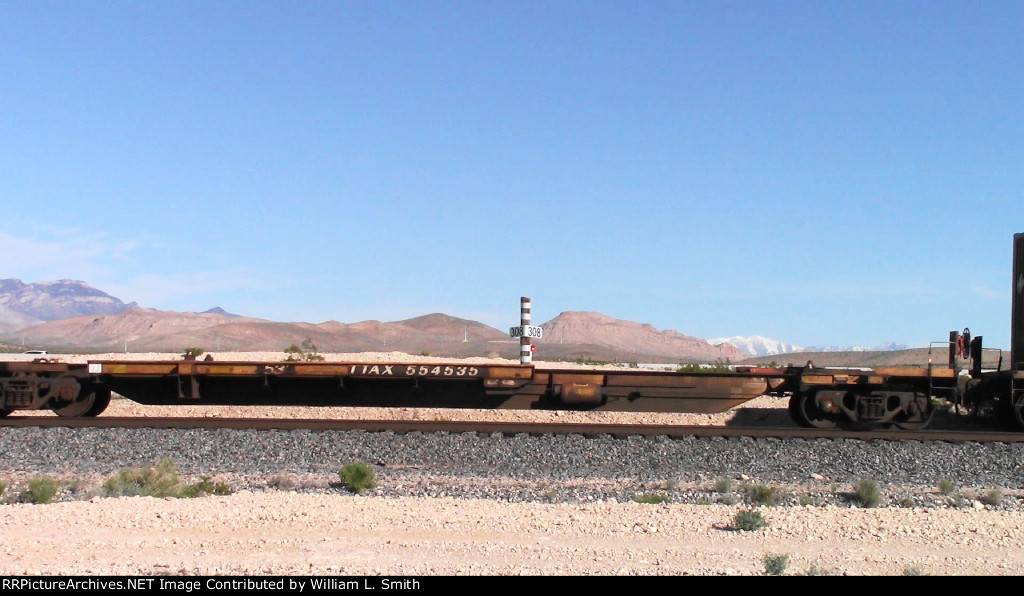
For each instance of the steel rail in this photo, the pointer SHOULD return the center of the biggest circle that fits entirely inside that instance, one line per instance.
(509, 428)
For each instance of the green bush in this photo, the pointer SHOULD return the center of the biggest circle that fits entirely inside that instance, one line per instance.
(775, 564)
(651, 499)
(304, 352)
(204, 487)
(946, 486)
(719, 366)
(358, 477)
(723, 485)
(749, 520)
(41, 489)
(992, 497)
(867, 494)
(759, 494)
(159, 481)
(3, 488)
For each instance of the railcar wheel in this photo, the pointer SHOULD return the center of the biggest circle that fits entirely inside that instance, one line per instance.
(1018, 411)
(89, 403)
(918, 414)
(807, 413)
(101, 403)
(795, 411)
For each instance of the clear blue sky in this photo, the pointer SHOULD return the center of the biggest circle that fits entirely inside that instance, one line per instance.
(820, 172)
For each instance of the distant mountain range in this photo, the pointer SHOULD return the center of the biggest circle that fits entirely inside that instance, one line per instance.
(71, 315)
(23, 305)
(756, 345)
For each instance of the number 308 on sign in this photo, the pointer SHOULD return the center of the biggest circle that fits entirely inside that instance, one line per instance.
(531, 331)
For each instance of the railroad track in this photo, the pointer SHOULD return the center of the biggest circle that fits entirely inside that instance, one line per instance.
(511, 428)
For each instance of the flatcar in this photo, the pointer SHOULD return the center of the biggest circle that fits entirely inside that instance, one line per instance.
(77, 390)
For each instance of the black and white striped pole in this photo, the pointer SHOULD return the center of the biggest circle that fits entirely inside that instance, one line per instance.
(525, 318)
(525, 331)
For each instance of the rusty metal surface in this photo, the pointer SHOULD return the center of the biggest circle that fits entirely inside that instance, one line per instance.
(453, 384)
(39, 365)
(453, 370)
(1017, 305)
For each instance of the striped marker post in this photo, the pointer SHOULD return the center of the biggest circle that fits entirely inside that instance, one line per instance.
(525, 354)
(525, 331)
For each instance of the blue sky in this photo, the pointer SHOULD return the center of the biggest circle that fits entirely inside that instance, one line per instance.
(822, 173)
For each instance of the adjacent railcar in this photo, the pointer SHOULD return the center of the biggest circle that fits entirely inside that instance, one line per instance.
(903, 396)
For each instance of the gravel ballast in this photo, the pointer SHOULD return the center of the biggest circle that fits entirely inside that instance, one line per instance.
(548, 468)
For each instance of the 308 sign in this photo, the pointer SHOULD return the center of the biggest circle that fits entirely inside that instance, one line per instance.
(531, 331)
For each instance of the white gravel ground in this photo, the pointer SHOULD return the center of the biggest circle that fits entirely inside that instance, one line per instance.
(291, 533)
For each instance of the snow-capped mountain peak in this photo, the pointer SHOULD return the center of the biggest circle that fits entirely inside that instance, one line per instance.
(756, 345)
